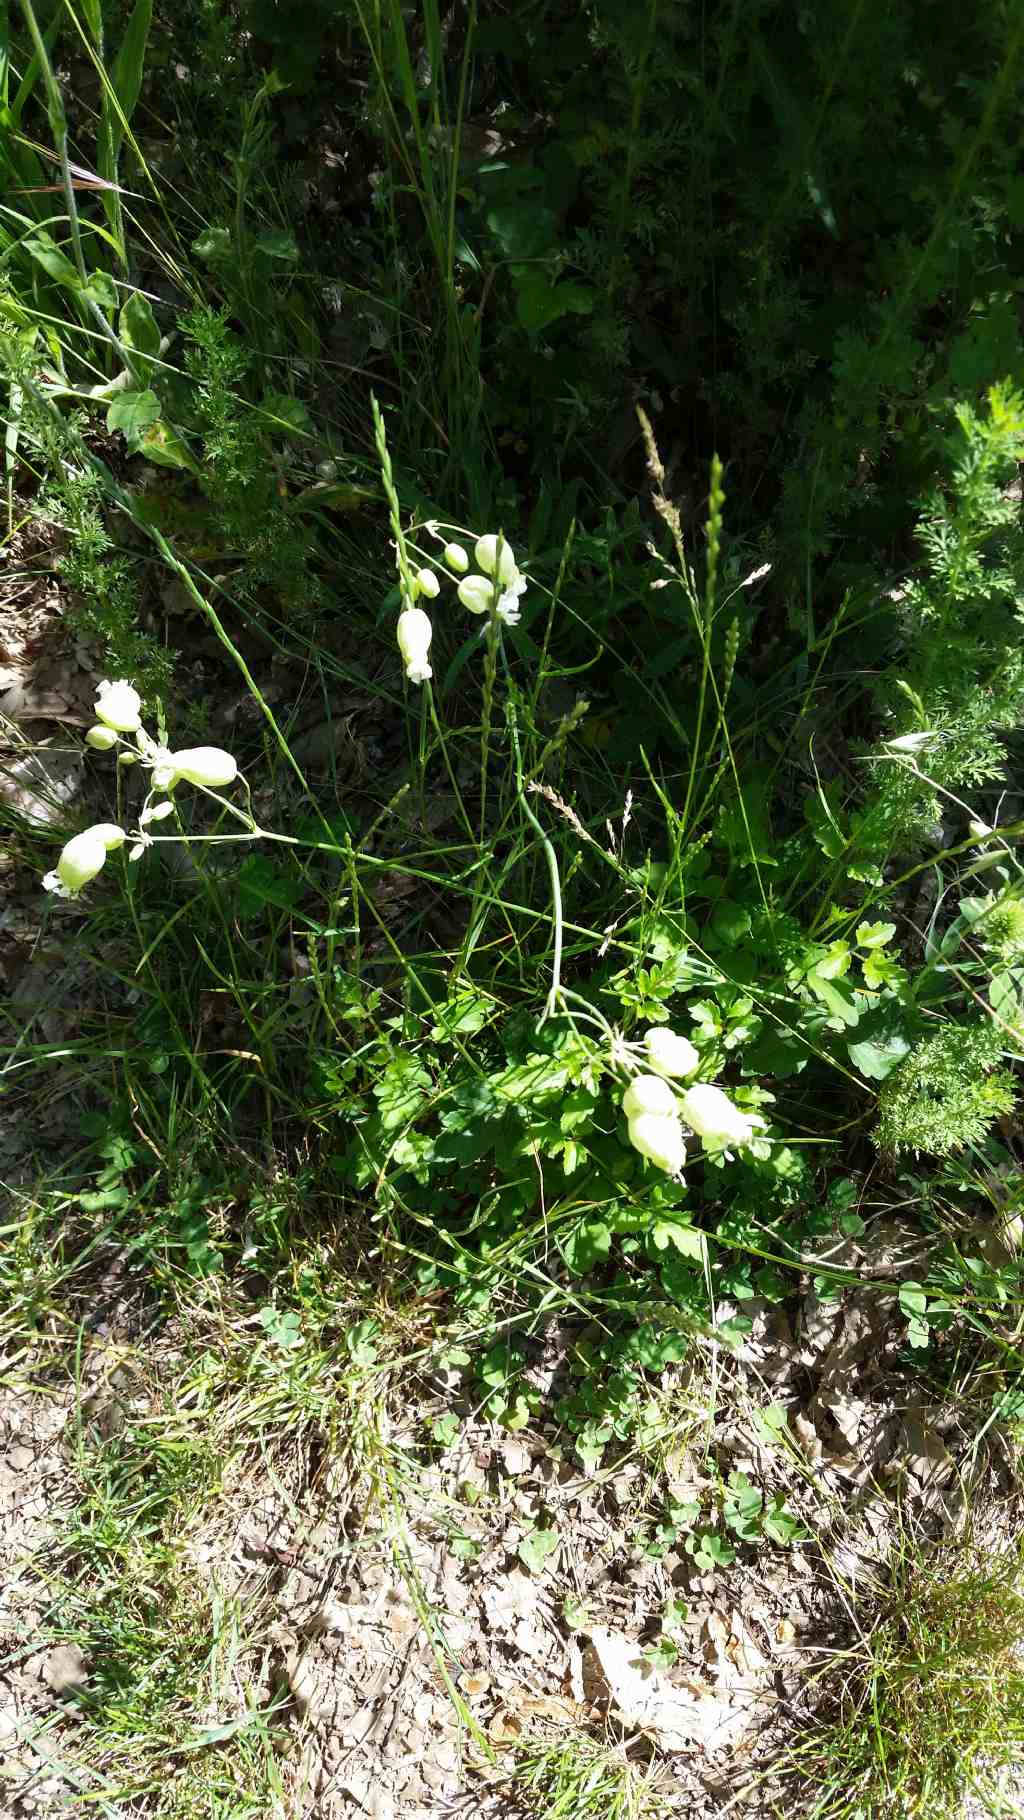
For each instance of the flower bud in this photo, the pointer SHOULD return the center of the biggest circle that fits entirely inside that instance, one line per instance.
(669, 1054)
(414, 634)
(157, 812)
(502, 568)
(456, 558)
(427, 583)
(980, 830)
(659, 1137)
(118, 705)
(649, 1093)
(206, 765)
(714, 1117)
(101, 738)
(476, 594)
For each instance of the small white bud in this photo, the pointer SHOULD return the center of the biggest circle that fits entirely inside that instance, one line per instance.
(157, 812)
(101, 738)
(456, 558)
(501, 568)
(980, 830)
(118, 705)
(414, 635)
(206, 765)
(659, 1137)
(427, 583)
(476, 593)
(669, 1054)
(649, 1093)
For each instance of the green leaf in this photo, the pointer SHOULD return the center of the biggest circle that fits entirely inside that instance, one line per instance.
(729, 923)
(584, 1245)
(535, 1549)
(881, 1047)
(913, 1299)
(126, 82)
(43, 250)
(444, 1429)
(539, 303)
(260, 881)
(288, 413)
(279, 244)
(838, 998)
(162, 445)
(875, 935)
(132, 413)
(213, 245)
(137, 325)
(103, 291)
(685, 1239)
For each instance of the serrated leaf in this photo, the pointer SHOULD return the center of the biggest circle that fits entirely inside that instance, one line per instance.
(875, 935)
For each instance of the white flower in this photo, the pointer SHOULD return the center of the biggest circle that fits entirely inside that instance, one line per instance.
(414, 634)
(649, 1093)
(508, 601)
(714, 1117)
(669, 1054)
(456, 558)
(501, 568)
(476, 593)
(118, 705)
(206, 765)
(101, 738)
(82, 857)
(659, 1137)
(427, 583)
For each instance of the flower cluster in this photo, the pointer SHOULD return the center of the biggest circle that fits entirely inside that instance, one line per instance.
(657, 1112)
(494, 588)
(119, 715)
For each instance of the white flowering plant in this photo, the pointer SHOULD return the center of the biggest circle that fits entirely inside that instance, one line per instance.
(207, 769)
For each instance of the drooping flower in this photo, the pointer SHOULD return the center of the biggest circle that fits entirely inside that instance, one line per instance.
(119, 705)
(456, 558)
(669, 1054)
(427, 583)
(414, 634)
(659, 1137)
(82, 857)
(649, 1093)
(500, 565)
(476, 593)
(500, 568)
(101, 739)
(206, 765)
(714, 1117)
